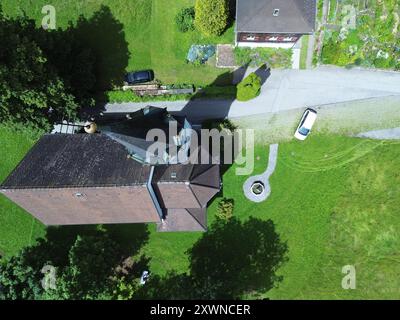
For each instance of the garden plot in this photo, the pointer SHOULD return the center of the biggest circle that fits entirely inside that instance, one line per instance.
(364, 33)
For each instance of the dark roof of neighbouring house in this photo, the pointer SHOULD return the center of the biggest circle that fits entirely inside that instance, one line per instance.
(295, 16)
(74, 160)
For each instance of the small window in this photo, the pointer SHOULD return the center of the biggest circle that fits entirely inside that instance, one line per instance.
(276, 12)
(173, 175)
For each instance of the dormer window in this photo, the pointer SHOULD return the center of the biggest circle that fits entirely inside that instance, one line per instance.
(276, 12)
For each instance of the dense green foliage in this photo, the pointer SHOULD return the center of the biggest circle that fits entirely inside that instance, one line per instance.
(374, 41)
(118, 96)
(185, 19)
(211, 16)
(31, 90)
(85, 267)
(225, 209)
(255, 57)
(249, 87)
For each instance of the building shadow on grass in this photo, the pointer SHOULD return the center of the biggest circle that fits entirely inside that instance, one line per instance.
(232, 259)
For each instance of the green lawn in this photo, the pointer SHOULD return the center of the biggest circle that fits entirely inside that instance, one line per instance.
(334, 200)
(150, 31)
(17, 228)
(304, 51)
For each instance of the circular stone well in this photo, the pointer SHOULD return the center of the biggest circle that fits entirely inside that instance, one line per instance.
(257, 188)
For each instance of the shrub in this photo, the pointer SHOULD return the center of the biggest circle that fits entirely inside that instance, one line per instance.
(211, 16)
(225, 209)
(249, 88)
(185, 19)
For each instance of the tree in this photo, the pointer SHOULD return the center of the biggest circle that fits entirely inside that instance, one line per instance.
(185, 19)
(30, 89)
(249, 88)
(19, 280)
(89, 264)
(211, 16)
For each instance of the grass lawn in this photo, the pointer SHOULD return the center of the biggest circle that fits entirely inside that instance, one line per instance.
(149, 26)
(17, 228)
(303, 51)
(334, 200)
(332, 10)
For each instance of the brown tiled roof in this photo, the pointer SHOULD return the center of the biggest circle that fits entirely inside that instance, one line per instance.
(176, 195)
(102, 205)
(184, 220)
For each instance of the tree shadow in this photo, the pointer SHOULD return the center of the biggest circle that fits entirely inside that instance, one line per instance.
(232, 12)
(232, 259)
(105, 37)
(90, 56)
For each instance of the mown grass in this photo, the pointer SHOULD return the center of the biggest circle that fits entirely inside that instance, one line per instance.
(304, 51)
(17, 228)
(149, 28)
(334, 200)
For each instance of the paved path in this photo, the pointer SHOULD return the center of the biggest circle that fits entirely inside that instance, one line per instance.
(296, 55)
(264, 178)
(286, 90)
(386, 134)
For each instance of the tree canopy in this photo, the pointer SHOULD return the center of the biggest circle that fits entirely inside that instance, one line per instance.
(211, 16)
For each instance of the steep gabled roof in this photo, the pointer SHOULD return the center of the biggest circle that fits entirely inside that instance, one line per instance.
(295, 16)
(66, 160)
(184, 220)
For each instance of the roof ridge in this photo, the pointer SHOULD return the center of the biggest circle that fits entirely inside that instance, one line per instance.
(262, 7)
(301, 9)
(197, 220)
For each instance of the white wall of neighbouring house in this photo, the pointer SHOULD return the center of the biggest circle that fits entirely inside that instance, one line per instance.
(285, 45)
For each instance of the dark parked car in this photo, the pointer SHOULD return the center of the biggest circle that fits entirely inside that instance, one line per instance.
(139, 76)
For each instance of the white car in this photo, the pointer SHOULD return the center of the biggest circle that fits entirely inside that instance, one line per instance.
(306, 124)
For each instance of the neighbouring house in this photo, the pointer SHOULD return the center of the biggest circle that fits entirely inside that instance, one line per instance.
(273, 23)
(107, 177)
